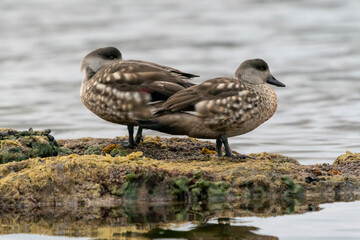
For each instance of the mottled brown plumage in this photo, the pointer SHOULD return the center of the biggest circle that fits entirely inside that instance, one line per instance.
(221, 107)
(121, 91)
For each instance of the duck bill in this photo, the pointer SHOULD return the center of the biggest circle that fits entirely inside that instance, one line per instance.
(275, 82)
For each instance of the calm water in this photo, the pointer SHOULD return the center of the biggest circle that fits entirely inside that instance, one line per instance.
(311, 46)
(335, 221)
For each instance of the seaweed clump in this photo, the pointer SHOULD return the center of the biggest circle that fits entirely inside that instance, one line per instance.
(20, 145)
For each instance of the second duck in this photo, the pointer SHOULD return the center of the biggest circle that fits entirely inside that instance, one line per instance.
(221, 107)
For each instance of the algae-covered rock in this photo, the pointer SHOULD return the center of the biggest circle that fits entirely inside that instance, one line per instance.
(115, 150)
(347, 164)
(103, 172)
(96, 179)
(152, 147)
(17, 146)
(347, 157)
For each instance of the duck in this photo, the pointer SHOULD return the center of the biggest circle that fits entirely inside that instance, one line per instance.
(221, 107)
(121, 91)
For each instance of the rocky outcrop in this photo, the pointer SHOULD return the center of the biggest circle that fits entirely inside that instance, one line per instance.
(100, 172)
(96, 187)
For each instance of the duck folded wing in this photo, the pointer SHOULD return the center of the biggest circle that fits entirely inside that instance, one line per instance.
(138, 73)
(216, 90)
(166, 89)
(229, 107)
(167, 68)
(224, 87)
(123, 77)
(183, 100)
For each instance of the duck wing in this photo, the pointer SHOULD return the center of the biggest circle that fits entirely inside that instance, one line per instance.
(142, 77)
(169, 69)
(213, 89)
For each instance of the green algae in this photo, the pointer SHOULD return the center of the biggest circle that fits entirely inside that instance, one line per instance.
(129, 190)
(17, 146)
(12, 154)
(195, 189)
(63, 151)
(294, 190)
(203, 190)
(41, 149)
(256, 187)
(97, 150)
(119, 151)
(137, 186)
(113, 150)
(180, 189)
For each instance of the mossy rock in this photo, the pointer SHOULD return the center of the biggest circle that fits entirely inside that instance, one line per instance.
(20, 145)
(97, 149)
(166, 171)
(347, 157)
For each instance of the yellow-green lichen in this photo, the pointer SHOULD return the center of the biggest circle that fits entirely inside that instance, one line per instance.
(347, 157)
(136, 177)
(152, 140)
(207, 151)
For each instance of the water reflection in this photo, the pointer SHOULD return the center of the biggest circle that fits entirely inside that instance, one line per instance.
(143, 221)
(222, 230)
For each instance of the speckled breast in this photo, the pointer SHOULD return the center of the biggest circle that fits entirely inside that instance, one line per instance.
(113, 104)
(239, 114)
(263, 110)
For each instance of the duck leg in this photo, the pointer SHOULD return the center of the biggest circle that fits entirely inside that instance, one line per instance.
(131, 136)
(224, 139)
(138, 135)
(218, 147)
(228, 152)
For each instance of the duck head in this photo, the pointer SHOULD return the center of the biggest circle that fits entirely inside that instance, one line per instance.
(98, 58)
(256, 71)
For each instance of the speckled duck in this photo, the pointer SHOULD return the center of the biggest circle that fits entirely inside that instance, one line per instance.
(121, 91)
(221, 107)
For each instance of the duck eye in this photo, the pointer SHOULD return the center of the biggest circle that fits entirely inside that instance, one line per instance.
(112, 58)
(262, 68)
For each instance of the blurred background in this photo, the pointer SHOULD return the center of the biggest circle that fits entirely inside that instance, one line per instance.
(311, 46)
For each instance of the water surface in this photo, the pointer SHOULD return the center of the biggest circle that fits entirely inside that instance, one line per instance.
(252, 221)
